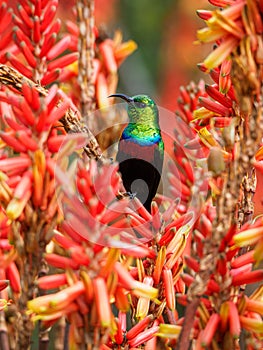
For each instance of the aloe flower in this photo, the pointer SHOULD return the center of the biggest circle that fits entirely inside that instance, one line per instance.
(110, 54)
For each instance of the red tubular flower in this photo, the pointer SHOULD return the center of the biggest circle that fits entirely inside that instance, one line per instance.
(234, 321)
(111, 54)
(5, 31)
(169, 289)
(139, 327)
(144, 336)
(52, 281)
(13, 276)
(210, 329)
(35, 35)
(102, 302)
(247, 277)
(56, 302)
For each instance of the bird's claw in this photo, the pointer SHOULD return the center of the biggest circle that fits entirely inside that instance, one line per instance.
(130, 195)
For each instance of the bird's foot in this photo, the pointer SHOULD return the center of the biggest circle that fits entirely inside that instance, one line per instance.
(121, 195)
(131, 195)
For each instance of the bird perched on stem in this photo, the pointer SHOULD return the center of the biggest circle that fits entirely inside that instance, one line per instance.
(141, 149)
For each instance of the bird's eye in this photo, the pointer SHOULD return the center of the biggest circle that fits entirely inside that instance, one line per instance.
(140, 104)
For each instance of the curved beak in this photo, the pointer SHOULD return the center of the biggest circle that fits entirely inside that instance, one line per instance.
(124, 97)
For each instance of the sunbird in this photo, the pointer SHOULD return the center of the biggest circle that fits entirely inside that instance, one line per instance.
(141, 149)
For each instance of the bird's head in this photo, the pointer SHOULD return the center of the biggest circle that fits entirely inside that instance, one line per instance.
(141, 108)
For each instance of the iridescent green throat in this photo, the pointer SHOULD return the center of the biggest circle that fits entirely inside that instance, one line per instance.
(143, 125)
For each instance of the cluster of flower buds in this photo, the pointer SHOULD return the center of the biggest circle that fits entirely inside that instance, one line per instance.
(209, 107)
(188, 149)
(35, 31)
(224, 322)
(228, 27)
(28, 132)
(220, 97)
(89, 249)
(6, 43)
(109, 55)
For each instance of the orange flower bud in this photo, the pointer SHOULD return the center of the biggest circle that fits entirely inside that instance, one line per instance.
(192, 263)
(254, 306)
(102, 91)
(124, 50)
(224, 315)
(159, 263)
(144, 336)
(52, 281)
(169, 289)
(102, 302)
(124, 276)
(252, 325)
(60, 261)
(234, 322)
(55, 302)
(14, 277)
(247, 277)
(121, 299)
(210, 330)
(139, 327)
(177, 252)
(244, 259)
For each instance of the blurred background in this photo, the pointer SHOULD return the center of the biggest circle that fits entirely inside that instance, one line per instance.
(165, 31)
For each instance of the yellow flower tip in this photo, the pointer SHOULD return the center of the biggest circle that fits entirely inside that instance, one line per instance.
(124, 50)
(248, 237)
(170, 331)
(207, 35)
(142, 308)
(217, 56)
(3, 304)
(3, 176)
(143, 290)
(73, 67)
(202, 113)
(117, 38)
(207, 138)
(252, 325)
(15, 208)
